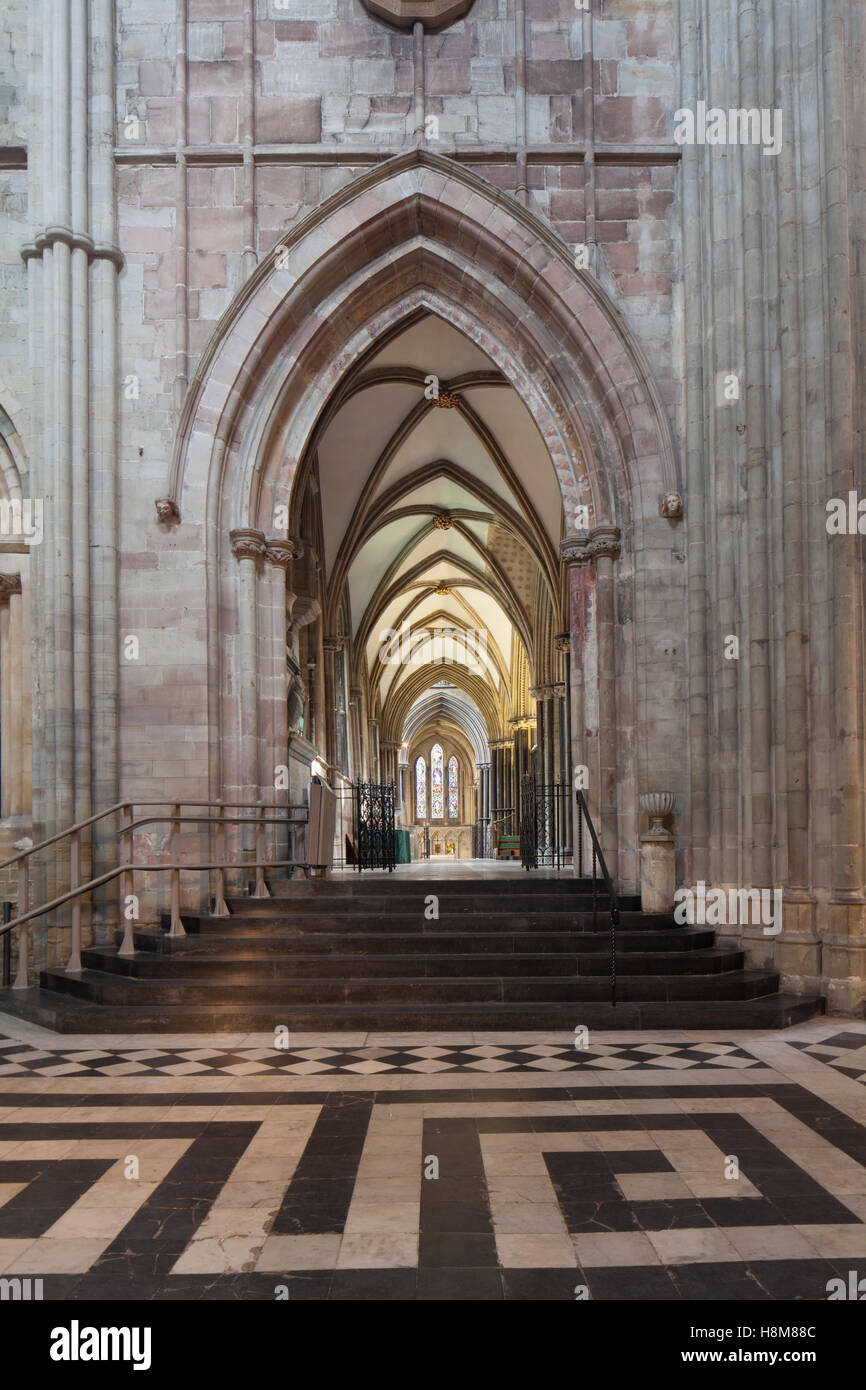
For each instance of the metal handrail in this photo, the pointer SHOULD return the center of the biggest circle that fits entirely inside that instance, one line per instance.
(134, 801)
(598, 855)
(92, 883)
(208, 820)
(175, 818)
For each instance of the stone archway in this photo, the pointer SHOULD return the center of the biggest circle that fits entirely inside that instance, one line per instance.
(421, 232)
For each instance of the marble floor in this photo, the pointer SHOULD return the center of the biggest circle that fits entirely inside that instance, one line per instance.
(651, 1166)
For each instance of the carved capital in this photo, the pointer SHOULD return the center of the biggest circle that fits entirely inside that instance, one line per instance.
(167, 511)
(282, 551)
(604, 542)
(9, 584)
(334, 644)
(562, 641)
(546, 692)
(247, 544)
(601, 542)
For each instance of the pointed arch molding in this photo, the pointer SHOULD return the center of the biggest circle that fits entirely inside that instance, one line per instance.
(419, 232)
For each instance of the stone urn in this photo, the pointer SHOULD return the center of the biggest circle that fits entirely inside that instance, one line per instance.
(657, 805)
(657, 856)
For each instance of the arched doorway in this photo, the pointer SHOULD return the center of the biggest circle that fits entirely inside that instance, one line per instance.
(422, 239)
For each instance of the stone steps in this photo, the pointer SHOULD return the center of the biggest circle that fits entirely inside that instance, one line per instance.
(508, 953)
(263, 938)
(481, 989)
(65, 1014)
(206, 965)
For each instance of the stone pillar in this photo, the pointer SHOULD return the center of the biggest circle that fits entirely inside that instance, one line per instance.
(104, 385)
(390, 769)
(273, 696)
(590, 561)
(355, 723)
(7, 737)
(331, 646)
(248, 547)
(15, 717)
(377, 765)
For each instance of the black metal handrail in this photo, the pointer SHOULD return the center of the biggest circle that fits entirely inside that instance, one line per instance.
(599, 860)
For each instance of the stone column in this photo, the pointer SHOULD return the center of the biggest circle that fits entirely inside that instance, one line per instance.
(9, 730)
(377, 765)
(356, 762)
(104, 527)
(274, 730)
(331, 645)
(390, 771)
(248, 547)
(590, 560)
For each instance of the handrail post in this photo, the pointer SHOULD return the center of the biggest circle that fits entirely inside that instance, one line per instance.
(221, 908)
(177, 927)
(73, 965)
(261, 889)
(127, 886)
(22, 979)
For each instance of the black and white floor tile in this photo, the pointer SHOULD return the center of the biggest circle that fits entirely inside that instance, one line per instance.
(846, 1051)
(21, 1058)
(649, 1182)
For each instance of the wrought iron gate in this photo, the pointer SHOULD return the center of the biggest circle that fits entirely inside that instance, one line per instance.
(528, 824)
(375, 846)
(545, 825)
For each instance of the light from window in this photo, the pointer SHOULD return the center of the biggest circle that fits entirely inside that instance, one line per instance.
(421, 789)
(453, 806)
(437, 806)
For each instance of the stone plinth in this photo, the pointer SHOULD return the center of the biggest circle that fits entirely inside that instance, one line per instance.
(658, 877)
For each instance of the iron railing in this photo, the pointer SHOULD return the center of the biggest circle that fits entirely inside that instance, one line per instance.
(545, 824)
(482, 839)
(375, 842)
(545, 840)
(251, 826)
(584, 820)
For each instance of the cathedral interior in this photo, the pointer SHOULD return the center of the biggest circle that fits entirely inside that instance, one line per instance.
(432, 671)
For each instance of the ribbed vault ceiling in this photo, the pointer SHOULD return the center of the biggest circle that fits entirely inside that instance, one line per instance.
(436, 517)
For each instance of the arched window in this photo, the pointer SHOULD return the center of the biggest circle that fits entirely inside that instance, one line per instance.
(421, 789)
(437, 804)
(453, 800)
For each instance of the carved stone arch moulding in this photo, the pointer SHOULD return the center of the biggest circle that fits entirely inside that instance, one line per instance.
(233, 410)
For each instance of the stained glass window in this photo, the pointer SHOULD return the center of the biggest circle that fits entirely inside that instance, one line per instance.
(421, 789)
(453, 807)
(437, 806)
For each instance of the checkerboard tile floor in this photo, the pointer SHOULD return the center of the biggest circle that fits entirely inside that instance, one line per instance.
(738, 1174)
(21, 1058)
(845, 1051)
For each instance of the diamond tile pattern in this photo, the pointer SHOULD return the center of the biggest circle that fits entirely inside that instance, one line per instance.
(17, 1059)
